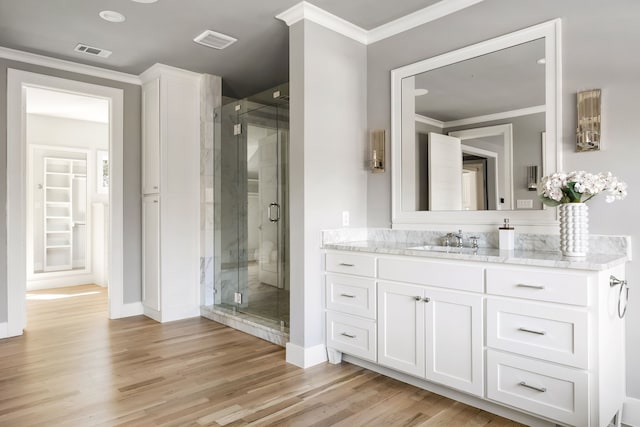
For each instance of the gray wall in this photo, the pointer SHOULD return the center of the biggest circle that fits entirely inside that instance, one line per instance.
(599, 42)
(326, 157)
(132, 219)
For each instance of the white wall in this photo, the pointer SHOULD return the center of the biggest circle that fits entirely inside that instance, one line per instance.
(326, 158)
(599, 45)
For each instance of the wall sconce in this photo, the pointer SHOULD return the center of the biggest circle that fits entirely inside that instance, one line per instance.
(378, 139)
(532, 178)
(588, 131)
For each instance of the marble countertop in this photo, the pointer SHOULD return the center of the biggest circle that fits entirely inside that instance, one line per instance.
(531, 258)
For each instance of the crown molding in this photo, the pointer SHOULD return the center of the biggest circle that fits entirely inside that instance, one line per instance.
(480, 119)
(496, 116)
(304, 10)
(429, 121)
(61, 64)
(157, 69)
(417, 18)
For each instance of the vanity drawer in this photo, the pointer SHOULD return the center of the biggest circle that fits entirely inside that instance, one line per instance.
(447, 275)
(565, 288)
(537, 330)
(553, 391)
(352, 335)
(351, 295)
(361, 265)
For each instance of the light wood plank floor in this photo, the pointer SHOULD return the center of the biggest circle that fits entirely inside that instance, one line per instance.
(74, 367)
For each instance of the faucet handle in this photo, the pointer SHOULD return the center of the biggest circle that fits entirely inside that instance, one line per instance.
(474, 241)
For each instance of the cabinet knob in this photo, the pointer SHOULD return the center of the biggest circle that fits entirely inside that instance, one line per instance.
(426, 299)
(417, 298)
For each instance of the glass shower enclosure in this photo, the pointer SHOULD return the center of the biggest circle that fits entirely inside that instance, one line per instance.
(251, 222)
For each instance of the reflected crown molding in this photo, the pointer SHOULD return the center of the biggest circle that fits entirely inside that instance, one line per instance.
(481, 119)
(304, 10)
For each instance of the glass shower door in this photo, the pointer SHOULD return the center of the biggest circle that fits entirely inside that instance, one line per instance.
(251, 271)
(266, 212)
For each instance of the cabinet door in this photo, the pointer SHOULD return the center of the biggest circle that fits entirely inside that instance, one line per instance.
(151, 252)
(151, 137)
(401, 327)
(454, 355)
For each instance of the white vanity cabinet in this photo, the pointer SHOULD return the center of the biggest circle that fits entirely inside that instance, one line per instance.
(350, 294)
(543, 341)
(427, 326)
(555, 343)
(170, 189)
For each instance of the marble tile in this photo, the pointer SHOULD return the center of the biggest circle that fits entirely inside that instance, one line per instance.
(599, 244)
(261, 328)
(491, 255)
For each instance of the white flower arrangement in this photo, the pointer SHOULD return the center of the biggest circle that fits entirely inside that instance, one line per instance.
(579, 187)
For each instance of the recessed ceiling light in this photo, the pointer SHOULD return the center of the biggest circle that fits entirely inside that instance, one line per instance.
(112, 16)
(145, 1)
(542, 61)
(420, 92)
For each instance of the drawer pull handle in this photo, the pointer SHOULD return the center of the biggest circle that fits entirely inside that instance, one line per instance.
(347, 296)
(417, 298)
(522, 285)
(540, 389)
(344, 334)
(531, 331)
(344, 264)
(426, 299)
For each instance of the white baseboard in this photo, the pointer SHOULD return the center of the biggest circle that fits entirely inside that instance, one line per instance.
(4, 330)
(131, 309)
(306, 357)
(631, 412)
(171, 314)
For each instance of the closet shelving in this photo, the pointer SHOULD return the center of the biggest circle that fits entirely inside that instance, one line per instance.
(60, 215)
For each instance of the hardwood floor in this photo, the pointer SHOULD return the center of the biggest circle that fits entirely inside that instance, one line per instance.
(74, 367)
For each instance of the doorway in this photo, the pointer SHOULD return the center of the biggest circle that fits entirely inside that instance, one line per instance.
(61, 175)
(67, 137)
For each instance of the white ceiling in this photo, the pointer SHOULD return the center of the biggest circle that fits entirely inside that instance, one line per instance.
(47, 102)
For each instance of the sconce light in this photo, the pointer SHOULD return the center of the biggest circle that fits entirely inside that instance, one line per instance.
(532, 178)
(376, 162)
(588, 131)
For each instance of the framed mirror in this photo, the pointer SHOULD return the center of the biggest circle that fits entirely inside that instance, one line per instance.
(468, 126)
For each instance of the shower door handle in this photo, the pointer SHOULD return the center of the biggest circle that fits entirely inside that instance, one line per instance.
(271, 217)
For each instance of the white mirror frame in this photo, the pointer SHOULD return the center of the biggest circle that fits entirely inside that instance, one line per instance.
(551, 32)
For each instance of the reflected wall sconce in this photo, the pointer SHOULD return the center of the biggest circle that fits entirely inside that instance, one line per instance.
(589, 121)
(376, 159)
(532, 178)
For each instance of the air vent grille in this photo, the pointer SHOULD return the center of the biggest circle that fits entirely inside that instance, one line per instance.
(93, 51)
(214, 40)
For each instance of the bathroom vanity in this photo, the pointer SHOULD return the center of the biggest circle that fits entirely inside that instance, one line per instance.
(530, 331)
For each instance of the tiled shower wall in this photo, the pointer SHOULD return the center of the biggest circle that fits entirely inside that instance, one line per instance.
(210, 102)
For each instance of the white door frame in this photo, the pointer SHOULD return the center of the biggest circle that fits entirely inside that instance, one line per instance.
(506, 132)
(17, 81)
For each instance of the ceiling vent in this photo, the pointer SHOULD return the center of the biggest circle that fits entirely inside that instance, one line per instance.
(93, 51)
(214, 40)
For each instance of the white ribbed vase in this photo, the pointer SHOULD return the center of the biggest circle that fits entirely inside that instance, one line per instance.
(574, 229)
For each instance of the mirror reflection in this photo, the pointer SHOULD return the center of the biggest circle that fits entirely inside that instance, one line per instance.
(473, 127)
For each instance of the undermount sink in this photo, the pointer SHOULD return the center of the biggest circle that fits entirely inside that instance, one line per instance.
(445, 249)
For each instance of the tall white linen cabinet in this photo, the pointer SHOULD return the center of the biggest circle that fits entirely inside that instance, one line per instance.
(170, 193)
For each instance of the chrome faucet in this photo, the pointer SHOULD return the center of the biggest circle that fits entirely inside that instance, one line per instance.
(459, 238)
